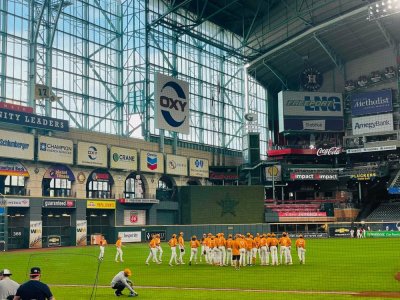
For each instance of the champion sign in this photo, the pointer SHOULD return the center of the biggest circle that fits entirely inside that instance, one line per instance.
(171, 104)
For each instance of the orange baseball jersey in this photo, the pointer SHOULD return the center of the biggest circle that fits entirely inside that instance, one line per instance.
(207, 241)
(236, 247)
(172, 242)
(153, 243)
(211, 244)
(249, 243)
(301, 243)
(181, 241)
(242, 243)
(257, 240)
(229, 243)
(274, 242)
(103, 242)
(263, 242)
(284, 241)
(158, 241)
(194, 244)
(118, 243)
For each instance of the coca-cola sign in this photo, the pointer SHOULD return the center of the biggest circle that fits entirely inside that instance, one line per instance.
(329, 151)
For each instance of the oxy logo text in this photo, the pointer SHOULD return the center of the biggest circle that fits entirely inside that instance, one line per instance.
(170, 104)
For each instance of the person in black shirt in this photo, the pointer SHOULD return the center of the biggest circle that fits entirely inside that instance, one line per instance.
(34, 289)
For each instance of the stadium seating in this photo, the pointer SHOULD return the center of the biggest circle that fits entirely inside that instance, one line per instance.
(386, 212)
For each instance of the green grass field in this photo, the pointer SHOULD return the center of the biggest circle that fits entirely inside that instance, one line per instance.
(334, 269)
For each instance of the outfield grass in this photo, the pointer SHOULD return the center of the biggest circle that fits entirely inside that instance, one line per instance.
(335, 265)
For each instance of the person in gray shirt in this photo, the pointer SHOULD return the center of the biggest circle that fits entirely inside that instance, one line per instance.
(8, 287)
(121, 281)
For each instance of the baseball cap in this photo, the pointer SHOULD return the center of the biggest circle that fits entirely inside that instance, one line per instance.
(5, 272)
(128, 272)
(35, 271)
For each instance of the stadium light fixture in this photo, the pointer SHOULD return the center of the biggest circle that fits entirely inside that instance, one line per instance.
(383, 8)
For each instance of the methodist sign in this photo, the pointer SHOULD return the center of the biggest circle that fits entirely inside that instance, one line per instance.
(171, 104)
(32, 120)
(374, 102)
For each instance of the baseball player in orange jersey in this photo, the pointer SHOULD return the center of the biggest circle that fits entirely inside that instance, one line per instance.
(268, 249)
(194, 245)
(159, 248)
(217, 252)
(222, 249)
(289, 259)
(282, 247)
(257, 241)
(242, 249)
(273, 247)
(249, 249)
(153, 251)
(207, 248)
(181, 244)
(236, 252)
(301, 249)
(228, 246)
(172, 243)
(119, 253)
(203, 248)
(263, 250)
(211, 246)
(102, 244)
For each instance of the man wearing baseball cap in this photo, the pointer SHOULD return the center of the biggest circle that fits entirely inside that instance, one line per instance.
(34, 288)
(8, 287)
(121, 281)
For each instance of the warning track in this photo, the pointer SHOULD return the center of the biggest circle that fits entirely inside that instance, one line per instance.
(349, 293)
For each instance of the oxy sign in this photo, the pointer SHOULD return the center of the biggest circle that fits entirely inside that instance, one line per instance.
(171, 104)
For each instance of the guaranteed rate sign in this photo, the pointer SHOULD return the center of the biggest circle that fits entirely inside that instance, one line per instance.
(171, 104)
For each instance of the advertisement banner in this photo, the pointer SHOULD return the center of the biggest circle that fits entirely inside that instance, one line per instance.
(123, 158)
(100, 204)
(32, 120)
(302, 214)
(370, 124)
(54, 241)
(55, 150)
(162, 234)
(176, 165)
(35, 234)
(332, 124)
(310, 104)
(382, 234)
(14, 202)
(12, 168)
(314, 125)
(57, 203)
(273, 173)
(308, 235)
(363, 176)
(16, 145)
(152, 162)
(198, 167)
(134, 217)
(130, 236)
(59, 172)
(90, 154)
(343, 231)
(373, 102)
(81, 231)
(306, 176)
(172, 106)
(371, 149)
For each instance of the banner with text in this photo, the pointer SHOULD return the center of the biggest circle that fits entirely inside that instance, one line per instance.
(382, 234)
(35, 234)
(302, 214)
(13, 168)
(90, 154)
(152, 162)
(373, 102)
(130, 236)
(306, 176)
(55, 150)
(198, 167)
(176, 165)
(100, 204)
(370, 124)
(134, 217)
(81, 231)
(123, 158)
(16, 145)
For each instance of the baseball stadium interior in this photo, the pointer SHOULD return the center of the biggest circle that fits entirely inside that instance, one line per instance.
(150, 115)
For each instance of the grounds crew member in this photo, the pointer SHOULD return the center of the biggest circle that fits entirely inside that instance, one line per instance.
(8, 287)
(121, 281)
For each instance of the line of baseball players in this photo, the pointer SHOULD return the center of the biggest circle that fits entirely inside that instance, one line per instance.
(217, 250)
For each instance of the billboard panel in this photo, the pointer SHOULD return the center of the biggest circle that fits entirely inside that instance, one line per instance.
(198, 167)
(123, 158)
(90, 154)
(16, 145)
(171, 98)
(130, 236)
(373, 102)
(81, 231)
(176, 165)
(310, 111)
(369, 124)
(152, 162)
(35, 234)
(134, 217)
(55, 150)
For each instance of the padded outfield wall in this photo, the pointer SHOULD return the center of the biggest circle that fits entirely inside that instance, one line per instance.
(221, 204)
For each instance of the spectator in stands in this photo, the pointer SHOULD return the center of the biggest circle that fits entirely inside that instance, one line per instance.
(8, 287)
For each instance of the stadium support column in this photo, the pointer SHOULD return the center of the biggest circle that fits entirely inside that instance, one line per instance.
(146, 127)
(3, 56)
(359, 192)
